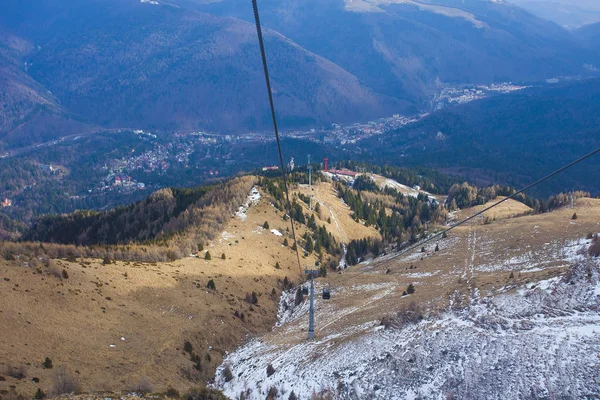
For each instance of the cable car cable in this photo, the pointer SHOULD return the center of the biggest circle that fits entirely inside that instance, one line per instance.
(273, 116)
(558, 171)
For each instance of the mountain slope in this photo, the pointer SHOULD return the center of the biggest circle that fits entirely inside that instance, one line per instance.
(513, 139)
(590, 34)
(28, 112)
(503, 310)
(137, 316)
(564, 12)
(403, 48)
(160, 67)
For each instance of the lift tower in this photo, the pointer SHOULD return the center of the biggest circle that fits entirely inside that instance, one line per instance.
(309, 167)
(312, 274)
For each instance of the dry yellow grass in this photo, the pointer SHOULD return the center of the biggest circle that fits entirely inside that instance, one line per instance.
(473, 261)
(157, 307)
(342, 226)
(508, 209)
(112, 325)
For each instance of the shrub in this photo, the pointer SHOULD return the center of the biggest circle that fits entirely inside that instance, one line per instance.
(227, 375)
(204, 393)
(39, 395)
(187, 347)
(223, 257)
(47, 364)
(574, 216)
(272, 395)
(65, 274)
(266, 225)
(285, 242)
(172, 393)
(207, 256)
(299, 296)
(16, 372)
(252, 298)
(200, 246)
(197, 361)
(270, 370)
(211, 285)
(64, 382)
(410, 314)
(410, 289)
(277, 266)
(595, 248)
(106, 260)
(143, 387)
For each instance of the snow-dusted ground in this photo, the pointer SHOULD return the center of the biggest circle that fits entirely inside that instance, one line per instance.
(541, 341)
(253, 199)
(384, 182)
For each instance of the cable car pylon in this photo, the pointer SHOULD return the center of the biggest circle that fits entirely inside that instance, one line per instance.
(312, 273)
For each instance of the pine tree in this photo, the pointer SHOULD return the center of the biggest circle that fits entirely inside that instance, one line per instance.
(266, 225)
(285, 242)
(207, 256)
(223, 257)
(211, 285)
(200, 246)
(309, 245)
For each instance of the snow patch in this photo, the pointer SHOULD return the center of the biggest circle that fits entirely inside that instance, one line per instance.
(253, 199)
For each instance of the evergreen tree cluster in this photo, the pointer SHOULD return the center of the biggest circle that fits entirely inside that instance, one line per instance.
(407, 218)
(358, 249)
(429, 180)
(465, 195)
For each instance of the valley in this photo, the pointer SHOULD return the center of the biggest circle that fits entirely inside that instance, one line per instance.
(157, 241)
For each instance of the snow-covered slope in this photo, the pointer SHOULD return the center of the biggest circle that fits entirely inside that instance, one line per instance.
(539, 340)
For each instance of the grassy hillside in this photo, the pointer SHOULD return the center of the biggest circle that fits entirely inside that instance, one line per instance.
(514, 290)
(137, 317)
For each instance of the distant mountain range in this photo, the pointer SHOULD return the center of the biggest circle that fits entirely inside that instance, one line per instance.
(568, 13)
(590, 35)
(28, 112)
(67, 68)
